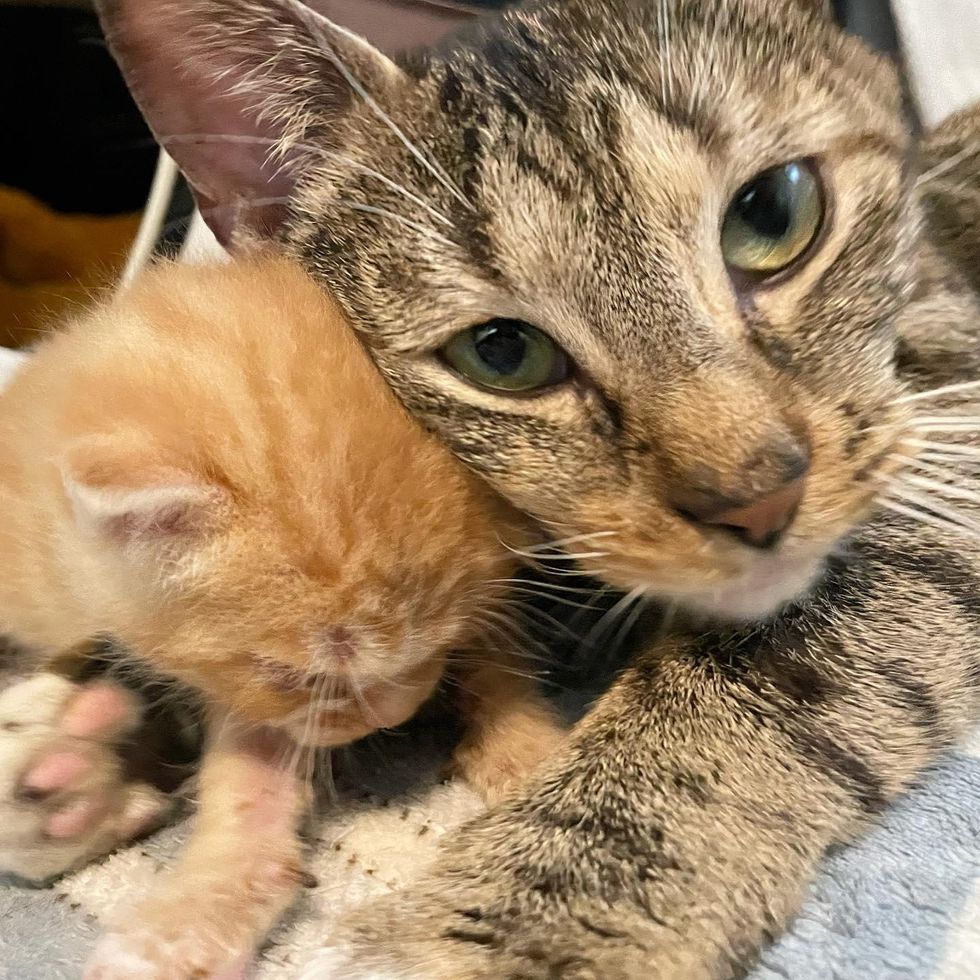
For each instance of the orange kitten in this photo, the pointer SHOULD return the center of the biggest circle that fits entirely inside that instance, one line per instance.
(211, 471)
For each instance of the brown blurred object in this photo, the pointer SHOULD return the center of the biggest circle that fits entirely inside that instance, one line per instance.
(396, 25)
(53, 263)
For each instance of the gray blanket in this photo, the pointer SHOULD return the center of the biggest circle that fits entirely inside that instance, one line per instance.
(904, 904)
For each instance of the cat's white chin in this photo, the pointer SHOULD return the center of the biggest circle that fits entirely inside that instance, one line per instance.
(761, 591)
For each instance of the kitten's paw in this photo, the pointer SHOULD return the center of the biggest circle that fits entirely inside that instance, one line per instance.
(162, 954)
(64, 797)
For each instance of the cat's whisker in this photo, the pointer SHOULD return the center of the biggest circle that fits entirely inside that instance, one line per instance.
(549, 597)
(950, 163)
(526, 609)
(971, 462)
(393, 216)
(318, 151)
(423, 158)
(950, 448)
(961, 190)
(608, 618)
(925, 517)
(947, 490)
(629, 621)
(953, 389)
(923, 462)
(914, 498)
(543, 584)
(945, 423)
(666, 66)
(557, 545)
(557, 555)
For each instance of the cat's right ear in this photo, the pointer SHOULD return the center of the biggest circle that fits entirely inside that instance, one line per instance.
(126, 499)
(237, 90)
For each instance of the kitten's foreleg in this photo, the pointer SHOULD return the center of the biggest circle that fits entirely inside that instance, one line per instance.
(510, 727)
(240, 870)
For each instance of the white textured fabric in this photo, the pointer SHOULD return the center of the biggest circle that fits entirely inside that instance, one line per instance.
(941, 41)
(9, 362)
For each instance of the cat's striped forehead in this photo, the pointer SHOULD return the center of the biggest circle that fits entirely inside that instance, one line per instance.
(580, 159)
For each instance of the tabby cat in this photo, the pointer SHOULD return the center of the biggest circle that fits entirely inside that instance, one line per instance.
(659, 272)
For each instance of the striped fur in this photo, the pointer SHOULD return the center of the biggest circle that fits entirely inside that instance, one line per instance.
(675, 835)
(569, 164)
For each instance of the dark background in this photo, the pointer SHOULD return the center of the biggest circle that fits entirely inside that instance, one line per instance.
(73, 138)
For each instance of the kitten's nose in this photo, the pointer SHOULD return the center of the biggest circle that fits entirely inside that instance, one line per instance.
(759, 523)
(340, 643)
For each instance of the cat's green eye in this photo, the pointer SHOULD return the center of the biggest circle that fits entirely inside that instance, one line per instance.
(507, 355)
(773, 220)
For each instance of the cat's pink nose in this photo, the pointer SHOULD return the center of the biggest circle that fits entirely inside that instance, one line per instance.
(759, 523)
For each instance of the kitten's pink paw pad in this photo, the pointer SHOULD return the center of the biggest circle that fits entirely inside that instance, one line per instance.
(55, 772)
(100, 711)
(64, 794)
(76, 819)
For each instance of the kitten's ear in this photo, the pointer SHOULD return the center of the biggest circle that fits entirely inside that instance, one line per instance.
(233, 89)
(123, 496)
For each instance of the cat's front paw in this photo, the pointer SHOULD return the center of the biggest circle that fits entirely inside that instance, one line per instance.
(64, 796)
(405, 937)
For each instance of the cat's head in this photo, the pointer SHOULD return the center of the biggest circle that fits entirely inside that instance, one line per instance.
(636, 263)
(310, 568)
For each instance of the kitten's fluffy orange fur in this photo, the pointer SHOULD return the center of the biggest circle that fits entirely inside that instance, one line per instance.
(210, 470)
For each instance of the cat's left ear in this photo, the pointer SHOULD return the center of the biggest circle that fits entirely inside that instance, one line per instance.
(128, 500)
(237, 90)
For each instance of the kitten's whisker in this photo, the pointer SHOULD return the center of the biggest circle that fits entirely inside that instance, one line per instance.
(514, 630)
(367, 712)
(400, 219)
(629, 621)
(666, 68)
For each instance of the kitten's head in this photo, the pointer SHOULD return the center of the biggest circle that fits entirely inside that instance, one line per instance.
(270, 525)
(637, 263)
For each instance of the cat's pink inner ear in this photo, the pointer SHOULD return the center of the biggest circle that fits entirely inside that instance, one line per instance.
(237, 91)
(125, 499)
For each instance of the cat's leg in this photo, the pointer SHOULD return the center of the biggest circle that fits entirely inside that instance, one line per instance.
(677, 830)
(238, 874)
(66, 793)
(510, 727)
